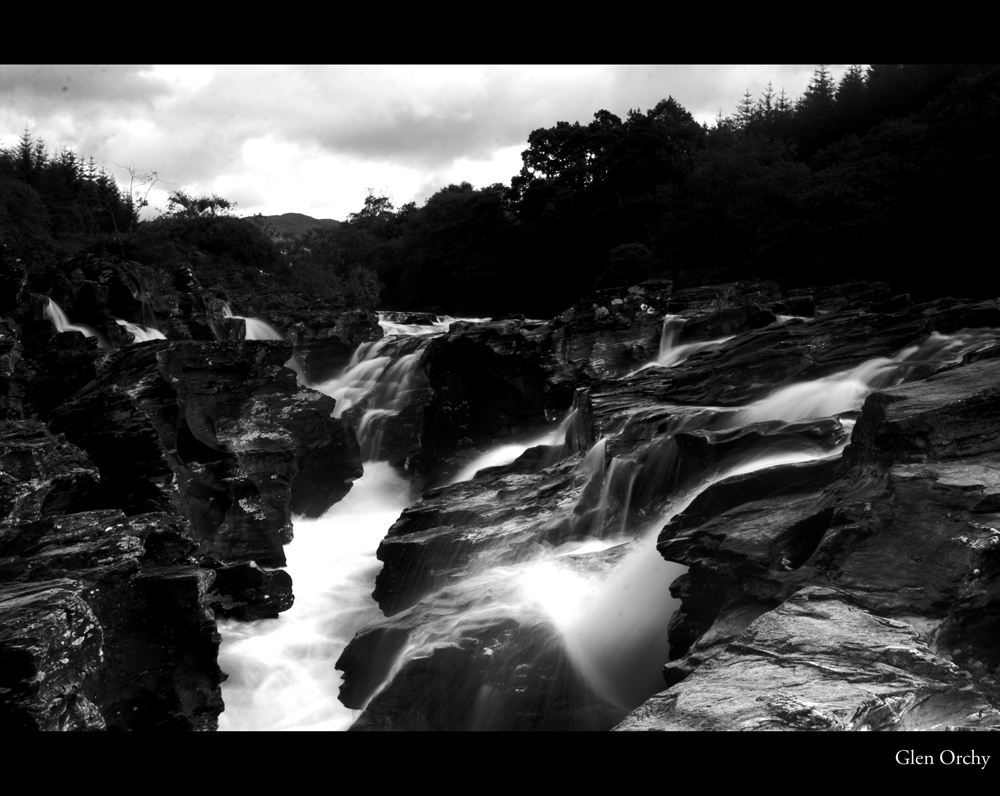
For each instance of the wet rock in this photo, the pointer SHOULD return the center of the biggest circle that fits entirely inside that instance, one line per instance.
(50, 644)
(40, 474)
(948, 415)
(900, 537)
(505, 674)
(246, 592)
(13, 374)
(325, 341)
(820, 662)
(146, 605)
(488, 381)
(217, 431)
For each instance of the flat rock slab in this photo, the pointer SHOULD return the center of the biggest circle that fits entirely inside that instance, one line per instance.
(818, 662)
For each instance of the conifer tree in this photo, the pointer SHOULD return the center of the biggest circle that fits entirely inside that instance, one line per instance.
(25, 157)
(745, 111)
(765, 110)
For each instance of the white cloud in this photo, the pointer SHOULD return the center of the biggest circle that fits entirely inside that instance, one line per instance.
(311, 139)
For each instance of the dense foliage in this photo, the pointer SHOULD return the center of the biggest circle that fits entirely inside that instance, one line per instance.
(879, 176)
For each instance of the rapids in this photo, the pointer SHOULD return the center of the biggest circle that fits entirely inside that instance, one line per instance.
(611, 620)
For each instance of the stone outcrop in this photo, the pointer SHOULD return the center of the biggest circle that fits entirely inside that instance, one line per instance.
(144, 490)
(882, 580)
(848, 591)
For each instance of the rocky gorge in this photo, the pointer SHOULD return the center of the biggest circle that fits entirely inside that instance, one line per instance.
(719, 508)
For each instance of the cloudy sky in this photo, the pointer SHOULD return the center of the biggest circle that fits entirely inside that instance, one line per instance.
(314, 139)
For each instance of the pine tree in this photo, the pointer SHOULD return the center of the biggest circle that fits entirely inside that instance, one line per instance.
(814, 112)
(765, 108)
(25, 157)
(745, 111)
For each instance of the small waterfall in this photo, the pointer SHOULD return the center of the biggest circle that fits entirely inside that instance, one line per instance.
(256, 329)
(381, 379)
(669, 334)
(141, 334)
(615, 627)
(55, 315)
(608, 602)
(670, 353)
(846, 391)
(281, 671)
(508, 453)
(440, 324)
(615, 495)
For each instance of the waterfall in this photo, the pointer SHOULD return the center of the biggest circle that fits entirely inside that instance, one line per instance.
(141, 334)
(509, 452)
(670, 353)
(846, 391)
(605, 592)
(281, 671)
(380, 379)
(256, 329)
(441, 323)
(55, 315)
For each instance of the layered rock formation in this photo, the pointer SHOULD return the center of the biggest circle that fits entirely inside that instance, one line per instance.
(827, 480)
(840, 590)
(146, 490)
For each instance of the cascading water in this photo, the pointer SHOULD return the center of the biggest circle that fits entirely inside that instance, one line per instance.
(55, 315)
(846, 391)
(256, 329)
(507, 453)
(670, 353)
(611, 620)
(441, 323)
(141, 334)
(281, 671)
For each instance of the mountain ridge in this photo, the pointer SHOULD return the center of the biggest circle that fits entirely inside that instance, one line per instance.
(298, 223)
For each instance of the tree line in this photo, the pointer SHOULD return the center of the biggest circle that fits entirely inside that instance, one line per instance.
(882, 175)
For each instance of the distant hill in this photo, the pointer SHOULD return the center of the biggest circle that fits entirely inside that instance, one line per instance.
(298, 223)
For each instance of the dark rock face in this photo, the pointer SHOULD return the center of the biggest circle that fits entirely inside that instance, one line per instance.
(874, 573)
(142, 599)
(874, 568)
(218, 431)
(488, 381)
(821, 662)
(324, 342)
(50, 643)
(144, 490)
(513, 674)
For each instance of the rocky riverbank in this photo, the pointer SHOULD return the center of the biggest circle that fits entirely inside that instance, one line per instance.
(148, 489)
(852, 587)
(819, 466)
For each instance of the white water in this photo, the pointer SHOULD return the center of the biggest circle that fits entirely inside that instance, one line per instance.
(670, 353)
(281, 671)
(846, 391)
(55, 315)
(615, 626)
(441, 324)
(256, 329)
(507, 453)
(613, 623)
(141, 334)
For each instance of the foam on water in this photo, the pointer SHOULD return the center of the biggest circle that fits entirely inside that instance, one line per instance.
(281, 671)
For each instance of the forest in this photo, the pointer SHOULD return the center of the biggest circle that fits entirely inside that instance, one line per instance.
(883, 175)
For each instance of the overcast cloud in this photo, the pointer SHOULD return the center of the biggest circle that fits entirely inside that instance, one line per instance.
(313, 139)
